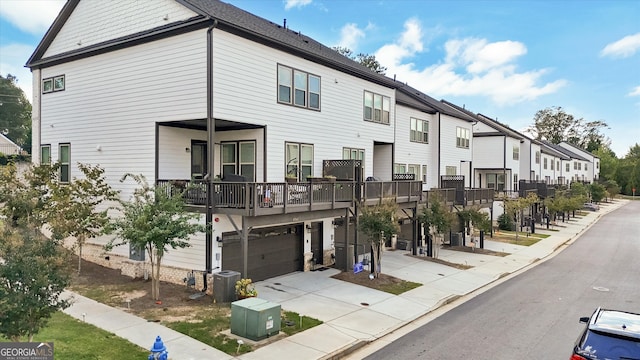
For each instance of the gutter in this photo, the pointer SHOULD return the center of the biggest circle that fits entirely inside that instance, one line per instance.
(211, 130)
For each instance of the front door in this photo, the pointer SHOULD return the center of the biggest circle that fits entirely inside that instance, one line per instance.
(316, 243)
(198, 159)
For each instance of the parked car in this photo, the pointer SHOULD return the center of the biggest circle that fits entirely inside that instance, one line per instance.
(609, 334)
(591, 206)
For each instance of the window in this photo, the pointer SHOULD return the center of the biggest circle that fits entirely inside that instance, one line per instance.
(462, 137)
(575, 165)
(298, 88)
(419, 131)
(567, 167)
(239, 158)
(537, 157)
(585, 166)
(45, 154)
(399, 169)
(558, 165)
(598, 165)
(544, 163)
(516, 152)
(552, 165)
(495, 181)
(53, 84)
(424, 174)
(451, 170)
(352, 154)
(415, 170)
(299, 159)
(65, 162)
(376, 107)
(515, 181)
(579, 166)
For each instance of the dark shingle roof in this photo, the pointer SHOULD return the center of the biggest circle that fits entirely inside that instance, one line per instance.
(563, 151)
(488, 121)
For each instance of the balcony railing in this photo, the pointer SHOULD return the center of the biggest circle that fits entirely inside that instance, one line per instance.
(269, 198)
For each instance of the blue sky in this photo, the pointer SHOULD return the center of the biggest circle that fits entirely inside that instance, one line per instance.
(504, 59)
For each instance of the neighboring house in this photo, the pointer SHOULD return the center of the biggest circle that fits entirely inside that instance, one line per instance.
(551, 170)
(8, 147)
(497, 152)
(575, 167)
(592, 162)
(186, 91)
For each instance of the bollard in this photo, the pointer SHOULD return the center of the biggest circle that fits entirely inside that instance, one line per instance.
(158, 351)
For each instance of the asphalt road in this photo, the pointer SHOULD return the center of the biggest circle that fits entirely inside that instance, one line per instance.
(535, 314)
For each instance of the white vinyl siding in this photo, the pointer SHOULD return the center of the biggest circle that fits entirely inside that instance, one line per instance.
(93, 22)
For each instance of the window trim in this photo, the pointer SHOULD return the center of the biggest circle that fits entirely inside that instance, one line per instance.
(298, 164)
(42, 147)
(419, 136)
(292, 87)
(463, 136)
(385, 101)
(52, 84)
(62, 164)
(516, 152)
(237, 146)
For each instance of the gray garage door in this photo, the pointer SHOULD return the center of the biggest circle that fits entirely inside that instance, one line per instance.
(272, 251)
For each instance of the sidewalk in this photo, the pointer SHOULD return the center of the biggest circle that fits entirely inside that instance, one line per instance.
(352, 315)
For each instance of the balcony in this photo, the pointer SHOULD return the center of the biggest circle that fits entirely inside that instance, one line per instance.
(539, 187)
(254, 199)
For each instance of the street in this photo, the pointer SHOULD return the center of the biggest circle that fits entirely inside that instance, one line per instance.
(535, 314)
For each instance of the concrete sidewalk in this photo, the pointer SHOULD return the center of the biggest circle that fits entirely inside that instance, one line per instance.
(352, 315)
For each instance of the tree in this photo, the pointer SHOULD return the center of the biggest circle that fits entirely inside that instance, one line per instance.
(514, 208)
(155, 220)
(597, 192)
(628, 171)
(555, 125)
(364, 59)
(378, 223)
(437, 219)
(15, 112)
(80, 208)
(608, 163)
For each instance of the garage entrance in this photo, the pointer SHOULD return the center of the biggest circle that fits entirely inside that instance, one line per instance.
(272, 251)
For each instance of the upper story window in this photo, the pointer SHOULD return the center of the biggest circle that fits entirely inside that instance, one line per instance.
(298, 88)
(579, 166)
(419, 130)
(585, 166)
(558, 164)
(544, 163)
(597, 165)
(567, 167)
(399, 168)
(239, 158)
(575, 165)
(451, 170)
(299, 159)
(552, 166)
(376, 107)
(462, 137)
(516, 152)
(537, 157)
(53, 84)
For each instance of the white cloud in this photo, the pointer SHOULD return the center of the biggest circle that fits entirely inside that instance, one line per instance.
(32, 16)
(625, 47)
(14, 56)
(290, 4)
(350, 34)
(635, 91)
(471, 66)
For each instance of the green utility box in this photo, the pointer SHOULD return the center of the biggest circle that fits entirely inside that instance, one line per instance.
(254, 318)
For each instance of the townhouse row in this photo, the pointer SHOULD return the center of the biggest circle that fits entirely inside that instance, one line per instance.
(204, 96)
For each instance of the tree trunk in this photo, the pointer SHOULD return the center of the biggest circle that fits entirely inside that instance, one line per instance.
(156, 278)
(79, 256)
(375, 247)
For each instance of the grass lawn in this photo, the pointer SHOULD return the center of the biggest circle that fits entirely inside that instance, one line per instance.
(73, 339)
(523, 239)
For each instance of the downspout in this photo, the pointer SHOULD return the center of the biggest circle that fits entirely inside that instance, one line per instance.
(439, 145)
(504, 163)
(211, 130)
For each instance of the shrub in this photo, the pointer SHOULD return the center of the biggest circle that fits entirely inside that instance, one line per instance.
(505, 222)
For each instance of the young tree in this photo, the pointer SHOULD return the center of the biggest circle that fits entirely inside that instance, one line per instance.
(597, 192)
(80, 208)
(33, 274)
(378, 223)
(15, 112)
(514, 208)
(155, 220)
(437, 219)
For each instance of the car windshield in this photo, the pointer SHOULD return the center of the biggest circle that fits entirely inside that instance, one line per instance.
(608, 346)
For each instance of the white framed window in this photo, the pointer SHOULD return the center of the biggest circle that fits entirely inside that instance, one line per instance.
(376, 107)
(579, 166)
(558, 164)
(299, 160)
(585, 166)
(597, 165)
(45, 154)
(462, 137)
(352, 154)
(537, 157)
(400, 169)
(544, 163)
(419, 131)
(575, 165)
(424, 173)
(567, 167)
(552, 166)
(451, 170)
(516, 152)
(415, 170)
(53, 84)
(298, 88)
(64, 157)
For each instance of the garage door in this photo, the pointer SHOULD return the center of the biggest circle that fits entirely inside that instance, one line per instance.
(272, 251)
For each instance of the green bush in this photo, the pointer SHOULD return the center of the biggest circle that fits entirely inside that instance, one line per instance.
(505, 222)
